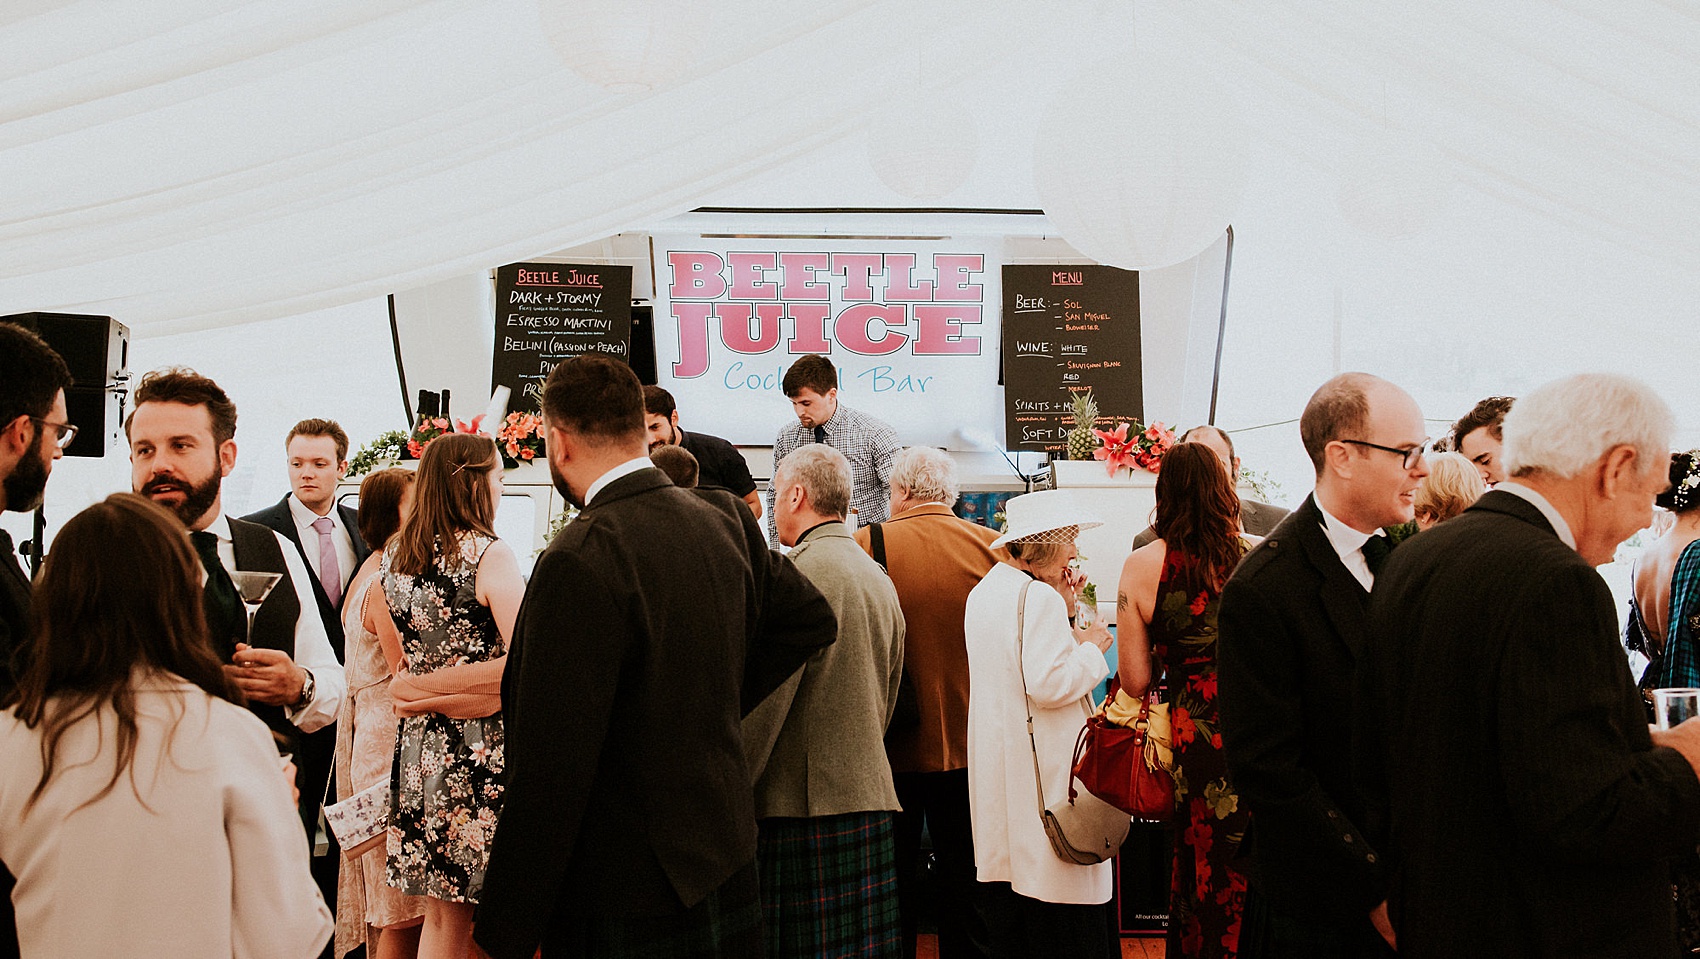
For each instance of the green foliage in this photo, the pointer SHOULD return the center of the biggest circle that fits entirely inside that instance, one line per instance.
(1266, 488)
(387, 448)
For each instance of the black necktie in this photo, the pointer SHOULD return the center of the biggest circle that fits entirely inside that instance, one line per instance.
(224, 608)
(1376, 549)
(820, 434)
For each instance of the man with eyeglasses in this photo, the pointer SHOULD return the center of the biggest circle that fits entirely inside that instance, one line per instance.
(1291, 631)
(33, 433)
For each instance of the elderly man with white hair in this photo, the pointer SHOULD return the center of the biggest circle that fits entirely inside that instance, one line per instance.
(824, 797)
(935, 560)
(1522, 804)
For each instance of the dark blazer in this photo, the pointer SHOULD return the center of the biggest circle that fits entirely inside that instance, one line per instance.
(1504, 749)
(1258, 519)
(1292, 625)
(14, 621)
(14, 612)
(278, 517)
(652, 623)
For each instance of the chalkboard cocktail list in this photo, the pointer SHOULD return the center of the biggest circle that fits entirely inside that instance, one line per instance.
(1067, 329)
(548, 312)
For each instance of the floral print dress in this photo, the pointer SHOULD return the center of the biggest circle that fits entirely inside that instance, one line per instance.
(1206, 896)
(445, 785)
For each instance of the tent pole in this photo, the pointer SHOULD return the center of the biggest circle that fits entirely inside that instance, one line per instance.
(1221, 326)
(401, 373)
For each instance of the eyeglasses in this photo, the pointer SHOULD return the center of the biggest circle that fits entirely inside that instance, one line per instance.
(64, 432)
(1410, 454)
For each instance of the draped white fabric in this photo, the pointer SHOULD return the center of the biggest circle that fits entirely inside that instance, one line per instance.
(192, 164)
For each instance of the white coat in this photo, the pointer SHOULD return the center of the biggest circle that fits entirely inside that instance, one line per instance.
(1009, 838)
(208, 863)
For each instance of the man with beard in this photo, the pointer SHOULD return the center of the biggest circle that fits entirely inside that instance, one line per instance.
(182, 445)
(718, 462)
(653, 622)
(33, 433)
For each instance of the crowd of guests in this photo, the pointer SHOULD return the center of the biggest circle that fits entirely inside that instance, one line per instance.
(1401, 717)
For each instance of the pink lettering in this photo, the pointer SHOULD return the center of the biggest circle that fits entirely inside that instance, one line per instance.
(735, 326)
(858, 270)
(696, 276)
(747, 283)
(853, 324)
(693, 338)
(808, 332)
(800, 282)
(939, 329)
(954, 269)
(900, 279)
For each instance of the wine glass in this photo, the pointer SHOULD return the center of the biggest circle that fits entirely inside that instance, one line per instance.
(254, 587)
(1672, 706)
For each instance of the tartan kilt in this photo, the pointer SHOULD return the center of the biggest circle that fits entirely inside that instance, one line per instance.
(829, 886)
(725, 925)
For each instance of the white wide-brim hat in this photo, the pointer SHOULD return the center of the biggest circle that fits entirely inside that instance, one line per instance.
(1032, 515)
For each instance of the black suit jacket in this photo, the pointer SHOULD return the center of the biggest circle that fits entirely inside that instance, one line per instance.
(652, 623)
(14, 612)
(1505, 751)
(14, 624)
(278, 517)
(1292, 625)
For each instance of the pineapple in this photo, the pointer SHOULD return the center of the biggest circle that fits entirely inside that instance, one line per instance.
(1081, 442)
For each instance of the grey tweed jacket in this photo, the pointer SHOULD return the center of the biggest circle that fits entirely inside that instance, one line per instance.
(816, 745)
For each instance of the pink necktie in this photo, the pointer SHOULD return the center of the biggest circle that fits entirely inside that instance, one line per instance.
(330, 575)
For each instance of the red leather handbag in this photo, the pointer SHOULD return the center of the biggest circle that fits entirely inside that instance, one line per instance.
(1120, 765)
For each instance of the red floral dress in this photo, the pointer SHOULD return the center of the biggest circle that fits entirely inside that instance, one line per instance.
(1206, 895)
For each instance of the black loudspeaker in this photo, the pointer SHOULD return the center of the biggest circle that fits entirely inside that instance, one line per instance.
(97, 349)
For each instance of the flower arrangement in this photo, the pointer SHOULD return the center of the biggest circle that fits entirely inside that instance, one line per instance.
(520, 438)
(387, 448)
(428, 429)
(1144, 449)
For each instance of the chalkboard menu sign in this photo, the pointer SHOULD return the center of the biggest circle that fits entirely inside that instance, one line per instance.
(1067, 329)
(547, 312)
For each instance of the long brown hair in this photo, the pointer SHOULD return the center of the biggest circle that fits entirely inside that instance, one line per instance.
(450, 496)
(1198, 512)
(381, 494)
(120, 589)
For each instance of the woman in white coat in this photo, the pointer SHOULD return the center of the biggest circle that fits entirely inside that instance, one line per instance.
(1035, 904)
(143, 812)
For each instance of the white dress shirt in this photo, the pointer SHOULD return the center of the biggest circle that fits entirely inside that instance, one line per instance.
(1541, 503)
(304, 519)
(624, 469)
(1349, 543)
(312, 646)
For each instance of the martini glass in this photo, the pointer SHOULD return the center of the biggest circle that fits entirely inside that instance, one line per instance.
(254, 588)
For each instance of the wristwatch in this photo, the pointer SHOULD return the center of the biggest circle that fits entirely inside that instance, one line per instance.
(308, 687)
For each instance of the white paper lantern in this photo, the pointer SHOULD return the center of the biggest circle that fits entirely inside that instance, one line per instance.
(1393, 184)
(626, 46)
(924, 150)
(1141, 161)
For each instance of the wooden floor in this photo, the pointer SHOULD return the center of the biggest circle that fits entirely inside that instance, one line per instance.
(928, 948)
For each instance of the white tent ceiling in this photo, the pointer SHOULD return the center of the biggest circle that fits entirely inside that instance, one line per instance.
(191, 164)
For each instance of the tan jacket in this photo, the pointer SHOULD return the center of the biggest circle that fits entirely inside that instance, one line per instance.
(827, 723)
(935, 559)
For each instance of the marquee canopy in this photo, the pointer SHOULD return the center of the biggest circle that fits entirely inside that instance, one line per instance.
(1468, 197)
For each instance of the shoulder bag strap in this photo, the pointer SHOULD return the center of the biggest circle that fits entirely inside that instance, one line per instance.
(876, 545)
(1085, 701)
(1020, 629)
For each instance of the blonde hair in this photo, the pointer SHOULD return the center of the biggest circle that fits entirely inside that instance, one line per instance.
(1453, 485)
